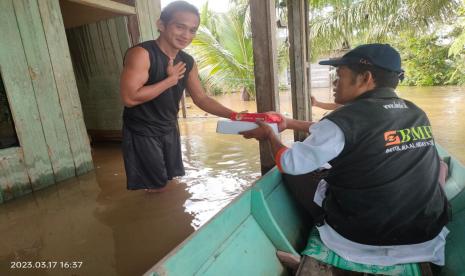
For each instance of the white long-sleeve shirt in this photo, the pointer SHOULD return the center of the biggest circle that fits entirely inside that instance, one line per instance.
(325, 143)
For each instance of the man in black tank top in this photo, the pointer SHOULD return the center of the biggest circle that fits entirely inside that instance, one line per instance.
(155, 73)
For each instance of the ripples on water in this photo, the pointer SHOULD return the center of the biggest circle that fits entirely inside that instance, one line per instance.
(218, 167)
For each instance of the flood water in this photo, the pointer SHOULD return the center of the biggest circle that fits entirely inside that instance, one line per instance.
(93, 219)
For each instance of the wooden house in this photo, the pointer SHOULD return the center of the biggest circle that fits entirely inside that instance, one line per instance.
(60, 62)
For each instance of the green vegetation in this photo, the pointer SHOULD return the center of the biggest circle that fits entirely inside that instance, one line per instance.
(426, 61)
(223, 50)
(430, 35)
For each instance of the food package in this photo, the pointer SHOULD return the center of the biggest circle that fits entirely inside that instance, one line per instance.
(253, 117)
(226, 126)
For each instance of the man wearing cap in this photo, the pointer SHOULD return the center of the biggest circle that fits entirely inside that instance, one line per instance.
(381, 202)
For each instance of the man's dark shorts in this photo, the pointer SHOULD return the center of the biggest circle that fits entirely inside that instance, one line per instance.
(151, 161)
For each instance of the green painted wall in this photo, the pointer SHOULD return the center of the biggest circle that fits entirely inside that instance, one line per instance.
(148, 12)
(97, 51)
(42, 93)
(42, 88)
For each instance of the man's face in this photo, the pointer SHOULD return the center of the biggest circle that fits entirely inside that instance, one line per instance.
(346, 85)
(180, 30)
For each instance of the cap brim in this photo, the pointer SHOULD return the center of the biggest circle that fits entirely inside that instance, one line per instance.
(333, 62)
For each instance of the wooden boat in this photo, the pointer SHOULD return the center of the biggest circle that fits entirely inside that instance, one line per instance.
(243, 238)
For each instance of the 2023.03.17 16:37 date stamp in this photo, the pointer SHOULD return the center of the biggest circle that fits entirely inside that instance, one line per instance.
(45, 264)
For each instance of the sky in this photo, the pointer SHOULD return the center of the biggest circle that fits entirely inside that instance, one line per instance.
(215, 5)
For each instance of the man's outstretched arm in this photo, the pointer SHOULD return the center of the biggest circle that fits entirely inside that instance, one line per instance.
(201, 99)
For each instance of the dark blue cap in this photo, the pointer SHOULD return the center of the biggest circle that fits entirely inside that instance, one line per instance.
(380, 55)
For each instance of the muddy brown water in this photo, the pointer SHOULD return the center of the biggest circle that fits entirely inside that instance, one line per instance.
(93, 219)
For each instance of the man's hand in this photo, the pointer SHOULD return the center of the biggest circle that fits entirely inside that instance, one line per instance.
(175, 72)
(281, 125)
(262, 132)
(314, 101)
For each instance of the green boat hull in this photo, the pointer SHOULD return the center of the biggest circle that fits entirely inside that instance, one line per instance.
(243, 238)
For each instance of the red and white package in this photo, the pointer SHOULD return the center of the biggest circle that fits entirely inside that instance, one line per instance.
(253, 117)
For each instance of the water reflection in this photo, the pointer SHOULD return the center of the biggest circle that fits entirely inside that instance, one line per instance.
(218, 167)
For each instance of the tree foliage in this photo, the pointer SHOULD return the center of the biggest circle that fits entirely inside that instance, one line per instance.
(458, 46)
(432, 54)
(424, 60)
(223, 49)
(339, 24)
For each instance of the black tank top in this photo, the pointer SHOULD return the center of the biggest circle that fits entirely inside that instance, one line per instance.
(158, 116)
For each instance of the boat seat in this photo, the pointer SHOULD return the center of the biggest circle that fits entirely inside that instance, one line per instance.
(316, 250)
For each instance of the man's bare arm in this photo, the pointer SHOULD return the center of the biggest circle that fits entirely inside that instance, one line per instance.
(201, 99)
(298, 125)
(326, 106)
(288, 123)
(136, 73)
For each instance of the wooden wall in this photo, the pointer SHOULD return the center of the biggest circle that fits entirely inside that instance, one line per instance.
(42, 88)
(97, 52)
(148, 12)
(39, 81)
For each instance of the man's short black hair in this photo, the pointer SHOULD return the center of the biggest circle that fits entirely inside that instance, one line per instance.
(167, 13)
(382, 77)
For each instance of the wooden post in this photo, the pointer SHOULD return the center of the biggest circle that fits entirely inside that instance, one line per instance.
(263, 17)
(183, 104)
(301, 107)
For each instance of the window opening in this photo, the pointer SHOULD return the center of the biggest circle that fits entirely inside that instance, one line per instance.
(8, 137)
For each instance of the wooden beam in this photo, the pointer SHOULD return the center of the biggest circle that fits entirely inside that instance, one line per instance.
(45, 90)
(263, 17)
(298, 37)
(108, 5)
(65, 81)
(17, 75)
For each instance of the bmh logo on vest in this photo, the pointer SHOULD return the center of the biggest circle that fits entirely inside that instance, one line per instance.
(408, 138)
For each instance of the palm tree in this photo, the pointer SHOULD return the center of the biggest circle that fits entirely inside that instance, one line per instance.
(458, 46)
(337, 24)
(223, 49)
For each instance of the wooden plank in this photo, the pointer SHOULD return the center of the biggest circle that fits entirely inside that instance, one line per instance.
(95, 45)
(40, 68)
(301, 107)
(66, 84)
(123, 34)
(183, 104)
(115, 45)
(154, 9)
(20, 93)
(133, 27)
(110, 64)
(14, 180)
(107, 5)
(263, 21)
(143, 17)
(98, 75)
